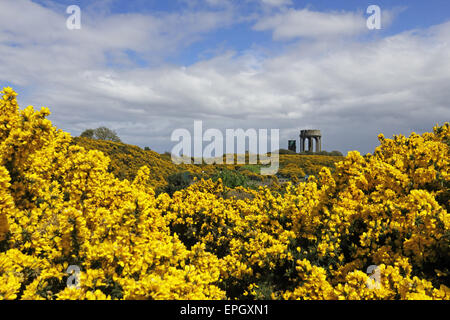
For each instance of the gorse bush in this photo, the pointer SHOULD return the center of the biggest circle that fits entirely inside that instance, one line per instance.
(301, 164)
(60, 206)
(292, 171)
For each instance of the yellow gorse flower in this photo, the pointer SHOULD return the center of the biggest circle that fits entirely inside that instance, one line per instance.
(61, 206)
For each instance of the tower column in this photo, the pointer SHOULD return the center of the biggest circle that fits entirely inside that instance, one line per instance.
(318, 144)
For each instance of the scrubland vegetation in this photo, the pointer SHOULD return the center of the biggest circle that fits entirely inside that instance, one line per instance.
(140, 227)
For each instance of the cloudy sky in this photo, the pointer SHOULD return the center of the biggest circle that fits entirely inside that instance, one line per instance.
(147, 67)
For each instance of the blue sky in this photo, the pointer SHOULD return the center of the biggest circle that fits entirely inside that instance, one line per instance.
(147, 67)
(240, 36)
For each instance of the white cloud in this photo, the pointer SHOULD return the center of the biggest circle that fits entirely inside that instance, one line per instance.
(277, 3)
(294, 23)
(27, 24)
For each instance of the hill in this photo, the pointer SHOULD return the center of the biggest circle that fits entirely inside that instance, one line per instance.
(127, 159)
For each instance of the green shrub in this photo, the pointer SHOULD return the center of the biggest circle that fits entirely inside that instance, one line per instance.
(178, 181)
(231, 179)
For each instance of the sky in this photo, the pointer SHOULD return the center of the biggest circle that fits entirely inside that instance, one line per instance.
(147, 67)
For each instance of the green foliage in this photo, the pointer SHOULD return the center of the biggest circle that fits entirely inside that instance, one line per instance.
(252, 168)
(88, 133)
(286, 151)
(101, 133)
(231, 179)
(178, 181)
(333, 153)
(336, 153)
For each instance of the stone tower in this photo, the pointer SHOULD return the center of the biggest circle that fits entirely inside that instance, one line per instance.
(310, 135)
(292, 145)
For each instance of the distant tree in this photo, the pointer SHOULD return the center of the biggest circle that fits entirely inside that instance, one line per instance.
(147, 149)
(322, 153)
(101, 133)
(104, 133)
(336, 153)
(88, 133)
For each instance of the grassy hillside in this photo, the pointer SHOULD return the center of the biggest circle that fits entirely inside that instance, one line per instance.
(127, 159)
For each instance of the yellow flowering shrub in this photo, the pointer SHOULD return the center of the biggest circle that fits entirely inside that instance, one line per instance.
(61, 205)
(301, 164)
